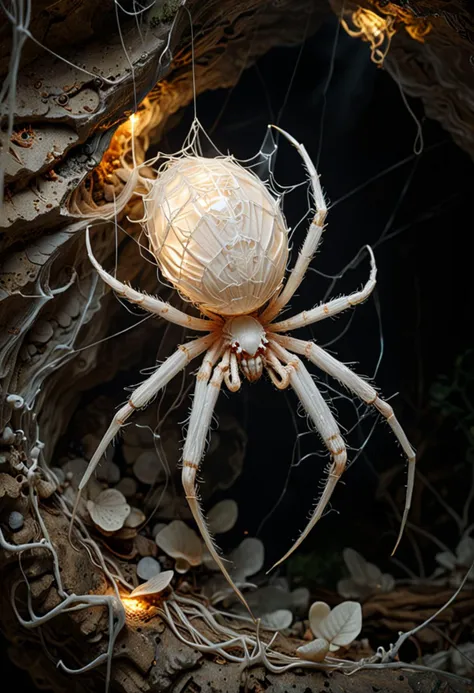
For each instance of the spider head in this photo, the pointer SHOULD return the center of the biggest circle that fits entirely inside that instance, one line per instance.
(248, 342)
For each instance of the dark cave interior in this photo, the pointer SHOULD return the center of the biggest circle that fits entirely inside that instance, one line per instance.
(362, 127)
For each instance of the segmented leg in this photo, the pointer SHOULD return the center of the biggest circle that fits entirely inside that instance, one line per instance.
(367, 394)
(326, 425)
(205, 397)
(312, 239)
(149, 303)
(327, 310)
(279, 374)
(144, 393)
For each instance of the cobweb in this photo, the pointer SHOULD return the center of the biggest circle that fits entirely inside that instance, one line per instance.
(212, 125)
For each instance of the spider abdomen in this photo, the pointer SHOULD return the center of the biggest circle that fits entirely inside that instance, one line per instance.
(217, 233)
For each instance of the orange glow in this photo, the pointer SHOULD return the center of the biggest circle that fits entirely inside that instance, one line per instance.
(378, 30)
(135, 607)
(374, 29)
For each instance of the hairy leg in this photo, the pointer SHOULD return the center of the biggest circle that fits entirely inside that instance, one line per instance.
(149, 303)
(327, 310)
(367, 394)
(326, 425)
(205, 397)
(144, 393)
(312, 239)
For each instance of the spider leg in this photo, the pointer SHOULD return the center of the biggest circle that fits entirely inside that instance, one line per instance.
(328, 310)
(279, 374)
(205, 397)
(141, 396)
(149, 303)
(326, 425)
(312, 239)
(367, 394)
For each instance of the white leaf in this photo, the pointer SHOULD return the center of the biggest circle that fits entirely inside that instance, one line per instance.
(180, 541)
(153, 586)
(387, 583)
(446, 559)
(465, 552)
(277, 620)
(248, 559)
(268, 599)
(223, 516)
(314, 651)
(356, 565)
(300, 599)
(350, 589)
(374, 575)
(342, 625)
(109, 510)
(317, 613)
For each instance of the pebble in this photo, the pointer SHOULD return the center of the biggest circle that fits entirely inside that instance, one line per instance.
(147, 568)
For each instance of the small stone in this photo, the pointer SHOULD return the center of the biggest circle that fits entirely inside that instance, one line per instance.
(108, 471)
(7, 437)
(41, 332)
(147, 467)
(127, 486)
(15, 520)
(63, 318)
(15, 401)
(147, 568)
(135, 518)
(157, 528)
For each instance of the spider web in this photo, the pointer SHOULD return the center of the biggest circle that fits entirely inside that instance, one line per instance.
(265, 163)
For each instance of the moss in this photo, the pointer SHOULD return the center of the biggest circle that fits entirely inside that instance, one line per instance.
(163, 11)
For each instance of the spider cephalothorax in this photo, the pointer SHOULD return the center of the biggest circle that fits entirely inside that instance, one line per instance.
(248, 345)
(220, 237)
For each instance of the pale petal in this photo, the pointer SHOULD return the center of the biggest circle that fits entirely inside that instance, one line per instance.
(153, 586)
(387, 583)
(342, 625)
(223, 516)
(277, 620)
(350, 589)
(180, 541)
(109, 510)
(465, 552)
(300, 599)
(314, 651)
(317, 614)
(135, 518)
(446, 559)
(356, 565)
(248, 559)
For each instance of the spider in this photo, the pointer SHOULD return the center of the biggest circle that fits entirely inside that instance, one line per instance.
(220, 237)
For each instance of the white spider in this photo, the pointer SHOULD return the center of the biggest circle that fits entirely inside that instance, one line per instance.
(220, 237)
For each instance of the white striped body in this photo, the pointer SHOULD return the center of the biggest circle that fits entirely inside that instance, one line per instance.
(218, 234)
